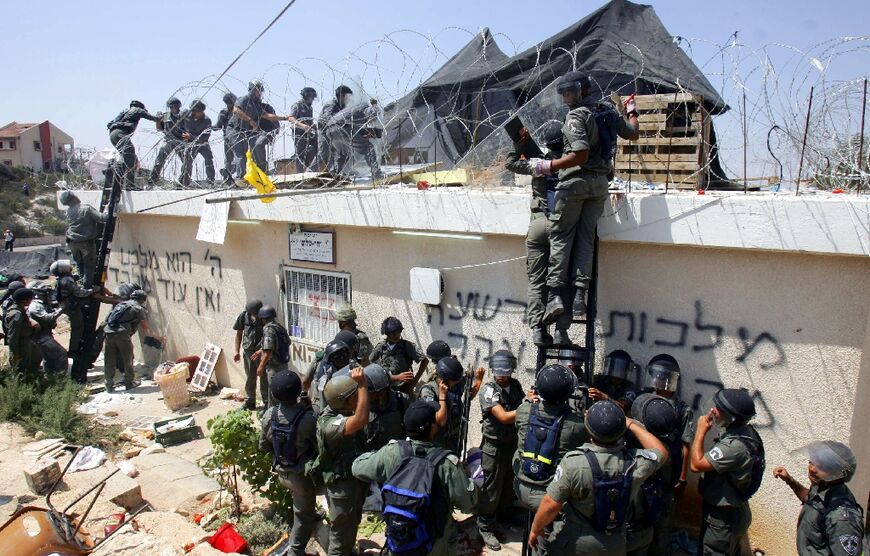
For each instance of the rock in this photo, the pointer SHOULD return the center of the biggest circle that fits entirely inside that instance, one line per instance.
(110, 413)
(132, 451)
(39, 435)
(156, 448)
(41, 475)
(125, 492)
(126, 435)
(229, 393)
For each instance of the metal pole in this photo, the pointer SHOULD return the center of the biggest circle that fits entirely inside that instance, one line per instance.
(797, 186)
(745, 183)
(861, 140)
(292, 193)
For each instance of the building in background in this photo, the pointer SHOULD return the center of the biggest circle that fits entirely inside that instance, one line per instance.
(37, 146)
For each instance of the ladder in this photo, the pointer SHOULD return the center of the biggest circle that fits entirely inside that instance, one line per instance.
(91, 343)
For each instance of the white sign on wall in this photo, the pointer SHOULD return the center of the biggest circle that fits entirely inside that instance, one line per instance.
(315, 247)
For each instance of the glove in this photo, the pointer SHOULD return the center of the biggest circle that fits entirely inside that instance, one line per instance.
(617, 103)
(630, 106)
(540, 167)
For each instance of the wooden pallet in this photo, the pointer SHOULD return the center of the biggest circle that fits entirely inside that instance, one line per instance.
(673, 146)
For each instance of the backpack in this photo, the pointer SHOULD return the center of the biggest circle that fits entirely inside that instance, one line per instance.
(284, 439)
(281, 353)
(756, 450)
(656, 490)
(116, 317)
(607, 120)
(415, 505)
(117, 119)
(612, 493)
(540, 446)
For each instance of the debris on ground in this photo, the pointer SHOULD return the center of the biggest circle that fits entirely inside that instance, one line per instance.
(88, 457)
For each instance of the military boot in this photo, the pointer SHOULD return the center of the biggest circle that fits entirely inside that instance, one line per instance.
(554, 308)
(561, 338)
(540, 337)
(580, 302)
(489, 540)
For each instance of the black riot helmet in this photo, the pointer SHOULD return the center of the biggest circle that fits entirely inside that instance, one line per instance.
(553, 138)
(390, 325)
(256, 84)
(137, 104)
(308, 92)
(663, 373)
(342, 90)
(438, 350)
(655, 413)
(554, 383)
(229, 98)
(618, 364)
(197, 106)
(173, 101)
(253, 306)
(267, 312)
(503, 363)
(573, 81)
(605, 422)
(737, 403)
(349, 339)
(285, 386)
(337, 353)
(449, 368)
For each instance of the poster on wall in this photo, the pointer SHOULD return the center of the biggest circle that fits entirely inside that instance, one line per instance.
(213, 222)
(314, 247)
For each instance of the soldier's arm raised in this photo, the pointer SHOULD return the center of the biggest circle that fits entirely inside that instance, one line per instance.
(360, 417)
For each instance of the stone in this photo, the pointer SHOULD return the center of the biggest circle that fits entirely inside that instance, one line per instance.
(124, 491)
(131, 452)
(39, 435)
(41, 475)
(126, 435)
(156, 448)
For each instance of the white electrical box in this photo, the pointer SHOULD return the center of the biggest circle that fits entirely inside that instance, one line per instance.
(426, 285)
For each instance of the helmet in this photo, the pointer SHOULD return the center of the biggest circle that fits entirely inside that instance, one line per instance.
(572, 81)
(449, 368)
(337, 353)
(22, 294)
(342, 90)
(39, 287)
(138, 295)
(14, 285)
(285, 386)
(62, 266)
(255, 84)
(67, 197)
(197, 106)
(390, 325)
(437, 350)
(663, 373)
(136, 104)
(229, 98)
(345, 313)
(349, 339)
(308, 91)
(378, 377)
(267, 312)
(552, 134)
(605, 421)
(655, 413)
(554, 383)
(253, 306)
(503, 363)
(572, 356)
(617, 364)
(736, 402)
(338, 391)
(833, 460)
(127, 288)
(173, 101)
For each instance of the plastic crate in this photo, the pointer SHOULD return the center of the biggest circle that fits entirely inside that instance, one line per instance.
(179, 436)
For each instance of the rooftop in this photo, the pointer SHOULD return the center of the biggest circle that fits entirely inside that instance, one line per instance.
(13, 129)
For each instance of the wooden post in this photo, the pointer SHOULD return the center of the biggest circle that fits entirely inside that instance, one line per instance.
(797, 186)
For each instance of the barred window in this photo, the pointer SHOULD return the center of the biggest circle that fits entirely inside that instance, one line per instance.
(312, 298)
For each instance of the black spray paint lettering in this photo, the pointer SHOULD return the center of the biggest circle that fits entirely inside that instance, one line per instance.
(480, 307)
(176, 261)
(143, 258)
(214, 259)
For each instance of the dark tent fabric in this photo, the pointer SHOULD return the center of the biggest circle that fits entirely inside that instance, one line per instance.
(622, 46)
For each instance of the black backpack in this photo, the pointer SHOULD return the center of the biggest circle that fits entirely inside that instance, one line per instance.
(281, 352)
(541, 446)
(756, 450)
(415, 504)
(612, 494)
(116, 317)
(607, 120)
(284, 439)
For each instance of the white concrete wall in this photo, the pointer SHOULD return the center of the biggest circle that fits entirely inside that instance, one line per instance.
(791, 326)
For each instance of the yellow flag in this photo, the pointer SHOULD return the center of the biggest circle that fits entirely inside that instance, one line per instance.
(258, 179)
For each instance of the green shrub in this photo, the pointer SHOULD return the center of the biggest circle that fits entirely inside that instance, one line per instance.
(261, 530)
(53, 226)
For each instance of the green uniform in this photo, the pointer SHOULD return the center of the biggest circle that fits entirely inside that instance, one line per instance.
(573, 486)
(830, 523)
(305, 516)
(81, 235)
(119, 343)
(71, 298)
(376, 467)
(344, 493)
(271, 331)
(20, 337)
(447, 437)
(396, 359)
(572, 435)
(386, 423)
(55, 359)
(579, 201)
(498, 447)
(726, 515)
(252, 335)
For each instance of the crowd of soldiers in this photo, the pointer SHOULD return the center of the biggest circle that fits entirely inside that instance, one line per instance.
(249, 124)
(600, 468)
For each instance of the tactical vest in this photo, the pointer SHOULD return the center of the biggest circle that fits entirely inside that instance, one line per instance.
(499, 433)
(335, 458)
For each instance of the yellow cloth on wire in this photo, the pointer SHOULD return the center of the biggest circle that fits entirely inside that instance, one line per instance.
(258, 179)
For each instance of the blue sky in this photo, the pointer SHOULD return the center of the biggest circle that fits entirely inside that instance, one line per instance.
(79, 63)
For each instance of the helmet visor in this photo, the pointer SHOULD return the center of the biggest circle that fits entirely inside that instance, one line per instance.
(617, 367)
(833, 461)
(663, 379)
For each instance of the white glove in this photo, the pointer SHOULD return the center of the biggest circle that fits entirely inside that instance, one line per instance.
(630, 106)
(540, 167)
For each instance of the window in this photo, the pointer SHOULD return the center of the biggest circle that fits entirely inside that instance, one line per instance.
(7, 162)
(37, 146)
(12, 145)
(312, 297)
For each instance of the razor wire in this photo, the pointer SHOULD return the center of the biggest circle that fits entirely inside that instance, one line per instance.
(774, 78)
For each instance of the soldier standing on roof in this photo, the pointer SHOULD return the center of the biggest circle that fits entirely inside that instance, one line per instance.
(223, 120)
(249, 334)
(732, 471)
(325, 154)
(81, 234)
(121, 131)
(245, 125)
(305, 134)
(198, 128)
(172, 125)
(582, 190)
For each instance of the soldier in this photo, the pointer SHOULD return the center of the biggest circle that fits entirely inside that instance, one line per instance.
(538, 237)
(7, 304)
(397, 354)
(126, 317)
(341, 439)
(314, 371)
(172, 125)
(289, 433)
(222, 124)
(582, 190)
(448, 390)
(386, 409)
(121, 131)
(81, 234)
(350, 133)
(346, 317)
(438, 535)
(499, 401)
(197, 126)
(55, 358)
(305, 134)
(547, 429)
(594, 485)
(274, 352)
(249, 334)
(614, 381)
(246, 134)
(438, 350)
(71, 297)
(830, 521)
(732, 471)
(343, 98)
(23, 352)
(336, 356)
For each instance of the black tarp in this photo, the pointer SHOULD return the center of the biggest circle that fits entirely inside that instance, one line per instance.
(622, 46)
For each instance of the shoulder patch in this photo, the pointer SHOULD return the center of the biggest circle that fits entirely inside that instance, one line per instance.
(850, 543)
(452, 459)
(648, 454)
(490, 395)
(716, 453)
(559, 472)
